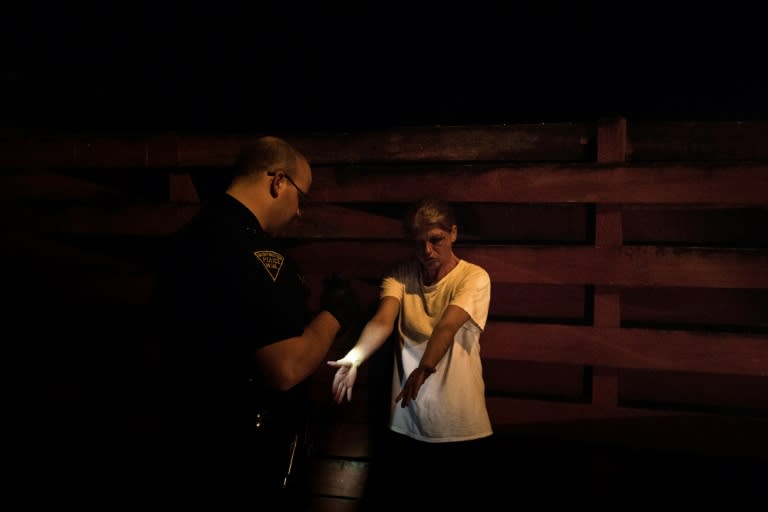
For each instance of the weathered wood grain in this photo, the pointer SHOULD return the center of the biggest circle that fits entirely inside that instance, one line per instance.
(725, 227)
(696, 307)
(531, 379)
(691, 140)
(646, 141)
(639, 266)
(718, 393)
(715, 353)
(671, 431)
(676, 183)
(338, 477)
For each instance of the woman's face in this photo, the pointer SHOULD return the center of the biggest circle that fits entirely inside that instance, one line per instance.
(434, 247)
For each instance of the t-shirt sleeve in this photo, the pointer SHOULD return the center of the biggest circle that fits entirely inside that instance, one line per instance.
(393, 284)
(473, 295)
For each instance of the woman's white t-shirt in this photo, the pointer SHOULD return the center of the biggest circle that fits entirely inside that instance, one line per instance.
(450, 405)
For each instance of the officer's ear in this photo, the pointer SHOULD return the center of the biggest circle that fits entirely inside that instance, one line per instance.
(274, 183)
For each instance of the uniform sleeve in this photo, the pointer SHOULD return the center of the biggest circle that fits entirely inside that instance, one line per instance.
(473, 295)
(250, 303)
(273, 306)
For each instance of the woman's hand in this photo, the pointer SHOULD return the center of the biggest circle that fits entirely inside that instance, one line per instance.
(413, 384)
(344, 380)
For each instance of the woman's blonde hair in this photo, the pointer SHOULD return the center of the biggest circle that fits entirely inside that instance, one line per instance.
(427, 213)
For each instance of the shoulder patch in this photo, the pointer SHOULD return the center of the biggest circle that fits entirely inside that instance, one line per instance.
(271, 261)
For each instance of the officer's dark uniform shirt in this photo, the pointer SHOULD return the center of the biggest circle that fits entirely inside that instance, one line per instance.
(227, 289)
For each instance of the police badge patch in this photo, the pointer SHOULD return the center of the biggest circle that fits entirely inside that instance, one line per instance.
(271, 261)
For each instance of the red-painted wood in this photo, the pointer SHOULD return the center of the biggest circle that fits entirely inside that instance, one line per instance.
(719, 353)
(630, 277)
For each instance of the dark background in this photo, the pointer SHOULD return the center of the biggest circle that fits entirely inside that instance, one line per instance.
(226, 66)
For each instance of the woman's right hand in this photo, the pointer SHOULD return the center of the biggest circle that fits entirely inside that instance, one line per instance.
(344, 380)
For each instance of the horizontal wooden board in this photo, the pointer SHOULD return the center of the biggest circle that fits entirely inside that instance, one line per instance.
(556, 141)
(694, 140)
(84, 286)
(338, 477)
(155, 220)
(684, 351)
(481, 222)
(520, 142)
(699, 307)
(50, 253)
(749, 393)
(525, 378)
(527, 222)
(511, 300)
(732, 227)
(743, 184)
(545, 273)
(553, 141)
(727, 140)
(620, 266)
(704, 183)
(342, 440)
(112, 187)
(673, 183)
(680, 351)
(488, 222)
(493, 223)
(680, 432)
(539, 301)
(91, 150)
(41, 184)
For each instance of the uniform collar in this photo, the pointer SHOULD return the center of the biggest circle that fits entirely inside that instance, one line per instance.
(244, 216)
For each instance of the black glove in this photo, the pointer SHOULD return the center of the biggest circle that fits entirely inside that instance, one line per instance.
(340, 300)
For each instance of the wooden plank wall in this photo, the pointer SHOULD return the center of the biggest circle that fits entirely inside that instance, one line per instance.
(629, 263)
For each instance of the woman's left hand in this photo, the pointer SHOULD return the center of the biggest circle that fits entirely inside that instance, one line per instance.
(413, 384)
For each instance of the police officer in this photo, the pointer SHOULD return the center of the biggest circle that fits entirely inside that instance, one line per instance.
(243, 342)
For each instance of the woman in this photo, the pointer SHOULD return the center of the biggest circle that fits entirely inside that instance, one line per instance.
(439, 425)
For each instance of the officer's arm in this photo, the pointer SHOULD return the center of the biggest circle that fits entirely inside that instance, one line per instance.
(288, 362)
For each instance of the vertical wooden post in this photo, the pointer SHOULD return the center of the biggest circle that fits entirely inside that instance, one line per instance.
(611, 148)
(612, 140)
